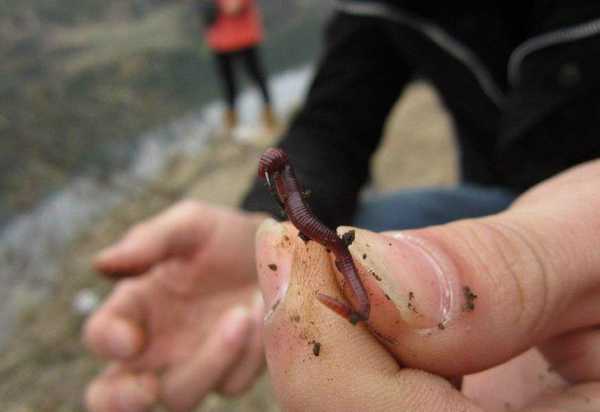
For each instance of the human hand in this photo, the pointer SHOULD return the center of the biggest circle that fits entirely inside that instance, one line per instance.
(535, 271)
(189, 320)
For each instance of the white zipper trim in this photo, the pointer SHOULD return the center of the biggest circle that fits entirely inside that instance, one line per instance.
(436, 34)
(541, 41)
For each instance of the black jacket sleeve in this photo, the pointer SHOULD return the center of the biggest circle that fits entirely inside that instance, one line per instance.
(551, 120)
(333, 137)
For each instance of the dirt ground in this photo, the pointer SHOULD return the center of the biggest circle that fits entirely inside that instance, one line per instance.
(45, 367)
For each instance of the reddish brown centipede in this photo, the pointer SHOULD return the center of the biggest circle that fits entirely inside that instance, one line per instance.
(275, 168)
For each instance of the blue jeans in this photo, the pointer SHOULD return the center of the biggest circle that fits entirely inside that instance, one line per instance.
(415, 208)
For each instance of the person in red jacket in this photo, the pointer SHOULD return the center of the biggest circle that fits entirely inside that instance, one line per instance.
(234, 33)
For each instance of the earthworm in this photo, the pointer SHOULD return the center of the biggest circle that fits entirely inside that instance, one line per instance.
(275, 168)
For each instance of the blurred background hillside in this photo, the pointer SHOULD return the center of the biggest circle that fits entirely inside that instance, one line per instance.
(81, 79)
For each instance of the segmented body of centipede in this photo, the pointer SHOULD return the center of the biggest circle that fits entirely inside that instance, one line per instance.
(275, 168)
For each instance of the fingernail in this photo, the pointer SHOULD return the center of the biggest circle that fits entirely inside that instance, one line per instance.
(412, 276)
(122, 339)
(234, 322)
(274, 260)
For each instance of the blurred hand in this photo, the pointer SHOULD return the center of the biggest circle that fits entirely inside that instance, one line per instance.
(189, 320)
(446, 301)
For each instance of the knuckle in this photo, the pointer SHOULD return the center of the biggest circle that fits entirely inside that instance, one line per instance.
(184, 215)
(522, 271)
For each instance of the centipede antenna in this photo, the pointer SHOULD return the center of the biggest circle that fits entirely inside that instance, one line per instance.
(275, 196)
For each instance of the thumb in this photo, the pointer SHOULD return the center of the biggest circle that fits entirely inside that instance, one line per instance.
(319, 361)
(176, 232)
(462, 297)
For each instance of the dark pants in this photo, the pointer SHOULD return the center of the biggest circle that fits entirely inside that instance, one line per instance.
(250, 58)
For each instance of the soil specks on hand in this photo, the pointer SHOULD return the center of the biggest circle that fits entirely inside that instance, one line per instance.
(470, 297)
(316, 347)
(304, 238)
(411, 302)
(348, 237)
(376, 276)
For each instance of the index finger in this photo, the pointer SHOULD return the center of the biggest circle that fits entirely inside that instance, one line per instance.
(177, 231)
